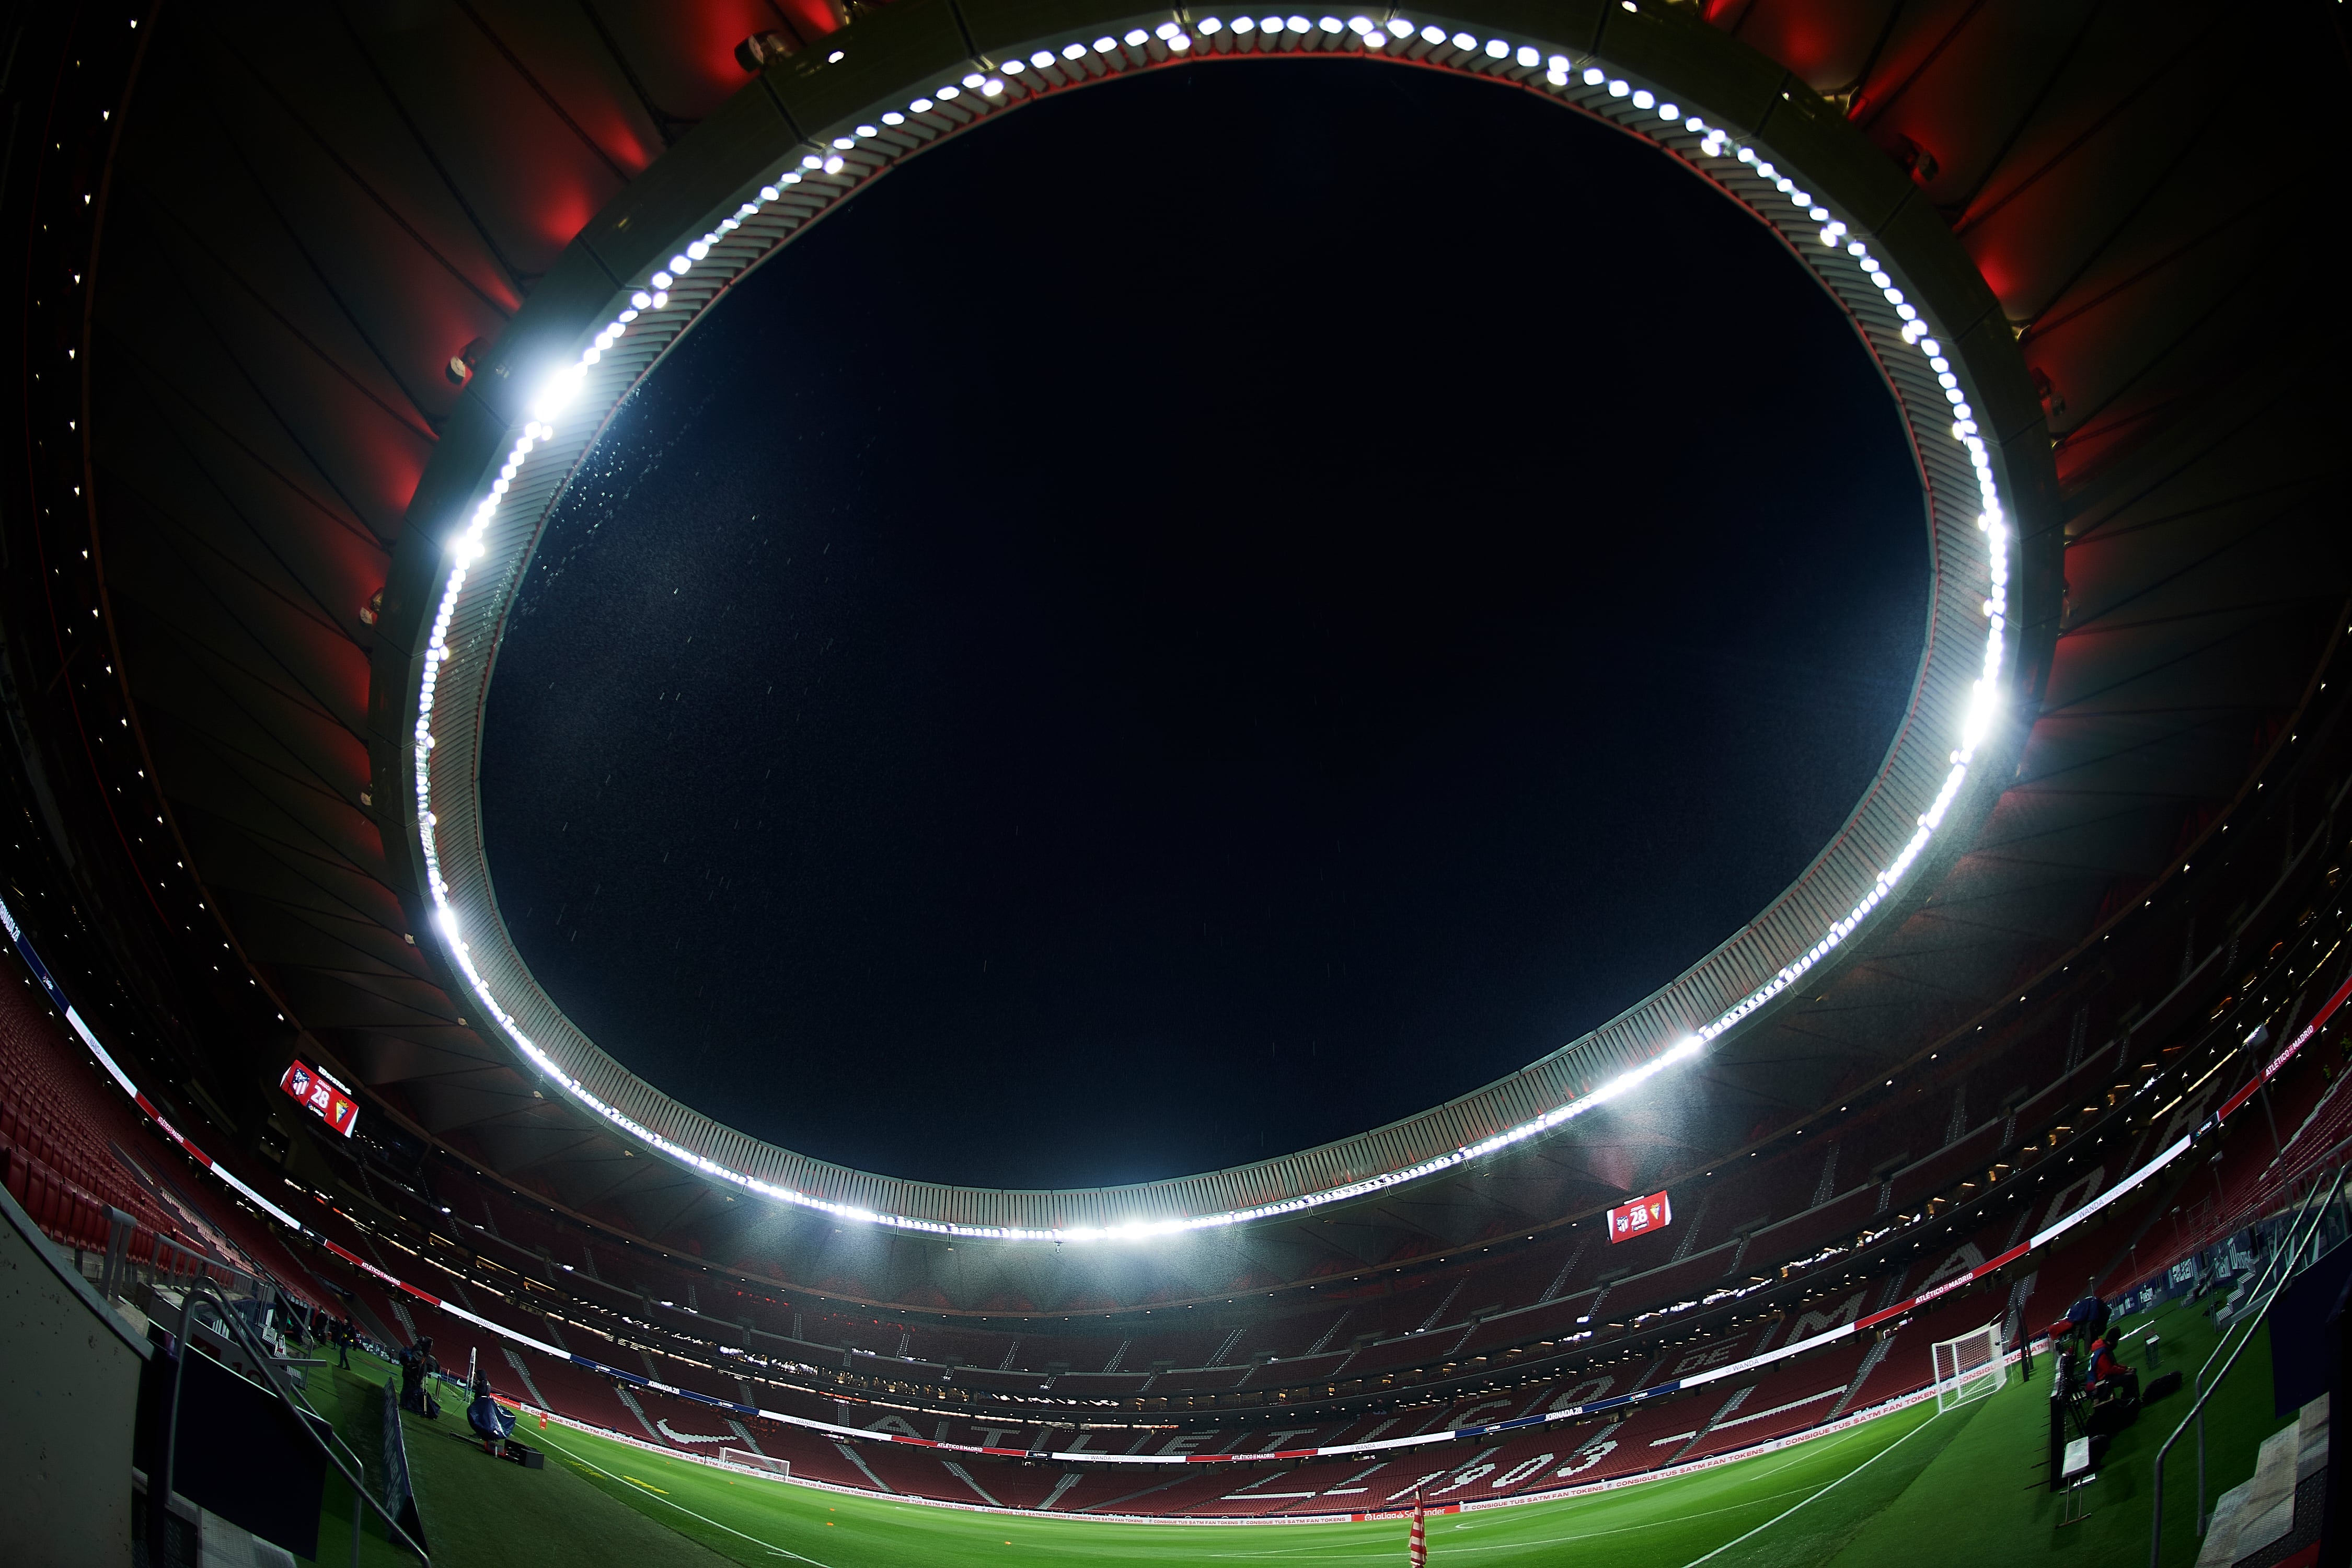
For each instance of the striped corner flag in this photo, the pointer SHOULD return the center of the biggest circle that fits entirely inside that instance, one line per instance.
(1417, 1553)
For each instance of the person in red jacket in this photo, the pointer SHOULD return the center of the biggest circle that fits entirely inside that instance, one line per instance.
(2113, 1387)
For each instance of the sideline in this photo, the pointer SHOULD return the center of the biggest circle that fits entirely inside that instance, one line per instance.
(658, 1496)
(1824, 1492)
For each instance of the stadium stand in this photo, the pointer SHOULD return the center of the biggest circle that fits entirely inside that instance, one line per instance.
(1899, 1252)
(75, 1152)
(1797, 1395)
(1911, 1203)
(56, 1124)
(1876, 1204)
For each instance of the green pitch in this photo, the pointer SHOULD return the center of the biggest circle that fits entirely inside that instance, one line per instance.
(1914, 1489)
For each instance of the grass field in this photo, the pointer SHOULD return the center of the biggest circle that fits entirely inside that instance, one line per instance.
(1914, 1488)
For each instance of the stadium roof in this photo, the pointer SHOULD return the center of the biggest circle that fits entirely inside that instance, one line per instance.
(265, 251)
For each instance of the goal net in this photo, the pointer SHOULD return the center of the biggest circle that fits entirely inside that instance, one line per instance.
(1969, 1366)
(751, 1461)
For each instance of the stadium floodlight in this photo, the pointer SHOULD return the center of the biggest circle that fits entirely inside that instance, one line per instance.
(1969, 1367)
(1962, 686)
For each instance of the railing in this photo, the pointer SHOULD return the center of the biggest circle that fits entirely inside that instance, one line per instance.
(85, 1225)
(2280, 1267)
(138, 1254)
(159, 1485)
(146, 1267)
(2321, 1141)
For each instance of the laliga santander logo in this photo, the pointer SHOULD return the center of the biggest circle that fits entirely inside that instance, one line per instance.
(1640, 1217)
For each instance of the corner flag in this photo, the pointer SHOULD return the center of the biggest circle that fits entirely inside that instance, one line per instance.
(1417, 1553)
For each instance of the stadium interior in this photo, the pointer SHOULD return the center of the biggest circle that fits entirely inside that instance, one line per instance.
(1983, 1198)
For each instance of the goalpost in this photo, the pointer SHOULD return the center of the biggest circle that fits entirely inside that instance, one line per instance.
(1969, 1366)
(751, 1461)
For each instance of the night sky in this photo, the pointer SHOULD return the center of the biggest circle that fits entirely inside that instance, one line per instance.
(1208, 616)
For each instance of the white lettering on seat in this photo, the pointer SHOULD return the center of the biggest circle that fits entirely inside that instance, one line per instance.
(1968, 1258)
(1699, 1361)
(2075, 1194)
(1417, 1485)
(1585, 1392)
(1812, 1323)
(1470, 1417)
(675, 1436)
(1781, 1409)
(1585, 1459)
(1521, 1471)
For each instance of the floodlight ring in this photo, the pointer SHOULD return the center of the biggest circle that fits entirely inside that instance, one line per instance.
(813, 128)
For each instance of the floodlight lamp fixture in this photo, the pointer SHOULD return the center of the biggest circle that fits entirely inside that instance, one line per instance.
(557, 391)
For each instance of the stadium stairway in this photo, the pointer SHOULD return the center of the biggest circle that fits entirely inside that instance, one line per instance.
(2275, 1516)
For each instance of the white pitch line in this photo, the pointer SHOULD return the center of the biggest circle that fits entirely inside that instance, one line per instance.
(1350, 1546)
(1624, 1529)
(1824, 1492)
(1762, 1466)
(681, 1508)
(1357, 1554)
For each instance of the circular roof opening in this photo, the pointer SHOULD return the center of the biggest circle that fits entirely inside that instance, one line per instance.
(1129, 649)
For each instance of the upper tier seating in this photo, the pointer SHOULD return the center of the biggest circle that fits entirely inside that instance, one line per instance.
(1920, 1181)
(57, 1118)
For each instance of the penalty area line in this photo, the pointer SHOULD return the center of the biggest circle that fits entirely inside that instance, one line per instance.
(1824, 1492)
(654, 1493)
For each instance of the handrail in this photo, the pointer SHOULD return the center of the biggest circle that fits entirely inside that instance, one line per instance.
(2279, 1257)
(2253, 1317)
(162, 1488)
(358, 1464)
(2282, 1256)
(2238, 1218)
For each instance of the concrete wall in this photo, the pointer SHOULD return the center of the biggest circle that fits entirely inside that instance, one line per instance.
(69, 1399)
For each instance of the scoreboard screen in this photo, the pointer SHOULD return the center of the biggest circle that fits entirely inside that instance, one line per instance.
(324, 1101)
(1640, 1217)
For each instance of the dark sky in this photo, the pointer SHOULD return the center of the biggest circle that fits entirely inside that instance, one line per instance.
(1213, 614)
